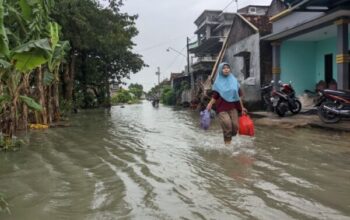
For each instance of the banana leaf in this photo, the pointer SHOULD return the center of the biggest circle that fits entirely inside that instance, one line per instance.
(54, 33)
(4, 64)
(58, 55)
(31, 55)
(26, 9)
(30, 103)
(4, 99)
(4, 42)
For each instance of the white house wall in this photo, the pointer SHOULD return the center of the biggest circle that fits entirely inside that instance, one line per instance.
(251, 85)
(293, 20)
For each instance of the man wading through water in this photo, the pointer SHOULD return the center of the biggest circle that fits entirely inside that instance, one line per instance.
(227, 97)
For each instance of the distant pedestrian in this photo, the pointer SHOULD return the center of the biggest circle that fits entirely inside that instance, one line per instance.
(227, 99)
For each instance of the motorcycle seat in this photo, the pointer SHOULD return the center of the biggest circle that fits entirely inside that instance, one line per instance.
(341, 93)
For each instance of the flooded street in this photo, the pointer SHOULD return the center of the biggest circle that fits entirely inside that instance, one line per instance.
(144, 163)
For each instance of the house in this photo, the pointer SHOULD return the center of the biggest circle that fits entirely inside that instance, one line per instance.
(276, 7)
(310, 42)
(114, 87)
(254, 10)
(180, 83)
(250, 58)
(212, 28)
(175, 79)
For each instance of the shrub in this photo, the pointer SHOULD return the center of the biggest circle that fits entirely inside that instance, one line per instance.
(10, 143)
(168, 96)
(136, 89)
(122, 97)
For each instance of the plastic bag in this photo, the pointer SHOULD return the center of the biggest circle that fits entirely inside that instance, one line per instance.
(246, 125)
(205, 119)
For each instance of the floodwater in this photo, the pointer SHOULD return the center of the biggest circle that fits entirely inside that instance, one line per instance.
(139, 162)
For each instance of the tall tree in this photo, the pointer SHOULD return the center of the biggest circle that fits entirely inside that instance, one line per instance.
(101, 40)
(136, 89)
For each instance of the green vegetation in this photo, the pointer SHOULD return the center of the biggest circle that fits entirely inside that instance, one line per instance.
(156, 91)
(168, 96)
(122, 97)
(56, 55)
(131, 96)
(9, 144)
(101, 42)
(137, 90)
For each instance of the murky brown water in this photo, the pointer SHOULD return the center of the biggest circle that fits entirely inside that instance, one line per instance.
(144, 163)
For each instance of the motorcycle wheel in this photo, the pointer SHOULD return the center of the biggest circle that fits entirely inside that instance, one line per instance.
(326, 116)
(298, 107)
(281, 108)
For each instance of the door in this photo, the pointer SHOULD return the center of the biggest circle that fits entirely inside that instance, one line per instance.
(328, 60)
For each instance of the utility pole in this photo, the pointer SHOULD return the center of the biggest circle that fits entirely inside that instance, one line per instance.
(188, 55)
(188, 63)
(158, 74)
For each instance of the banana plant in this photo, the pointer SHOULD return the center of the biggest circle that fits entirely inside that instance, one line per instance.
(21, 61)
(4, 42)
(51, 76)
(15, 64)
(59, 51)
(35, 14)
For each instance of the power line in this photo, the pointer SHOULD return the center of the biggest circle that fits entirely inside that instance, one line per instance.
(229, 4)
(167, 42)
(159, 44)
(174, 61)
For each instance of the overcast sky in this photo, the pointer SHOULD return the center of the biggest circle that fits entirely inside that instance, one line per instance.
(167, 23)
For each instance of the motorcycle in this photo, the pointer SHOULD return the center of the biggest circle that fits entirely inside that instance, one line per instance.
(266, 93)
(283, 100)
(155, 103)
(333, 105)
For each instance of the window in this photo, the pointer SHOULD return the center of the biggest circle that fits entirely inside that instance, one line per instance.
(245, 57)
(246, 65)
(252, 10)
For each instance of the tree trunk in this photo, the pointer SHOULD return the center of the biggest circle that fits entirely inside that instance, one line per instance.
(68, 79)
(56, 101)
(108, 91)
(23, 124)
(41, 96)
(2, 112)
(67, 92)
(12, 120)
(84, 78)
(49, 104)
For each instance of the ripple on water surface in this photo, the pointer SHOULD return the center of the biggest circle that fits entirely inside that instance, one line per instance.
(146, 163)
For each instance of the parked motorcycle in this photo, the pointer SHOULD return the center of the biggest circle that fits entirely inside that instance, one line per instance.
(266, 92)
(333, 105)
(283, 100)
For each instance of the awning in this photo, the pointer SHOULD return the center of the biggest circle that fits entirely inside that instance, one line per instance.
(318, 3)
(326, 20)
(311, 6)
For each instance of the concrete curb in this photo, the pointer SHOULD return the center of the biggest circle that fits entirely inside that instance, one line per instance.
(269, 119)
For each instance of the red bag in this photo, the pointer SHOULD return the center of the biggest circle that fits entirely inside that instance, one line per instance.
(246, 125)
